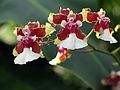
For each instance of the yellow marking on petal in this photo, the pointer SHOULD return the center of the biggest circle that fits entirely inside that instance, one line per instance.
(50, 18)
(97, 35)
(84, 14)
(26, 26)
(117, 27)
(42, 55)
(49, 29)
(57, 41)
(14, 52)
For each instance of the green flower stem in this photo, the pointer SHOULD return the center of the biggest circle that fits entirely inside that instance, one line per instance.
(108, 53)
(116, 50)
(46, 42)
(89, 34)
(84, 51)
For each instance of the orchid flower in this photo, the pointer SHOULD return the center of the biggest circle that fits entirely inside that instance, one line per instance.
(29, 47)
(69, 36)
(63, 53)
(113, 80)
(101, 27)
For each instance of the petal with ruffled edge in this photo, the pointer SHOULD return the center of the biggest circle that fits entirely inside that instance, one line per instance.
(20, 31)
(107, 36)
(56, 18)
(72, 42)
(63, 34)
(19, 48)
(26, 56)
(60, 57)
(32, 25)
(92, 16)
(79, 17)
(39, 32)
(64, 11)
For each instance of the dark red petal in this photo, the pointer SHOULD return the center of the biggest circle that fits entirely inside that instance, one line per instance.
(105, 24)
(39, 32)
(19, 48)
(79, 34)
(63, 34)
(97, 27)
(57, 18)
(36, 48)
(20, 31)
(92, 17)
(79, 17)
(32, 25)
(64, 11)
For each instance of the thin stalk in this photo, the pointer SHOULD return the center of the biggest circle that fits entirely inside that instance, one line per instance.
(116, 50)
(105, 52)
(84, 51)
(89, 34)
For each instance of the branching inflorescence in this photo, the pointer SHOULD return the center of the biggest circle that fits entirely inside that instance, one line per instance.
(69, 37)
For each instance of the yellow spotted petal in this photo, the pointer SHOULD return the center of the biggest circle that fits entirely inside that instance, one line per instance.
(50, 18)
(117, 27)
(49, 29)
(84, 14)
(42, 55)
(57, 41)
(14, 52)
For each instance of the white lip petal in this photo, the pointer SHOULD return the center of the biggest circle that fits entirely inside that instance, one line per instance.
(72, 42)
(106, 36)
(26, 56)
(56, 60)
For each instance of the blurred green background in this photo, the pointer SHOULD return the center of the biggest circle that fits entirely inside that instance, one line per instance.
(81, 72)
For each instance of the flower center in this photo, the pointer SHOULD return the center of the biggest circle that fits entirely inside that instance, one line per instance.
(27, 41)
(71, 25)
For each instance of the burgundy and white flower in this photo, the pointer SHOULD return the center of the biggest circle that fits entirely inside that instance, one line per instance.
(63, 54)
(70, 36)
(113, 80)
(28, 48)
(101, 26)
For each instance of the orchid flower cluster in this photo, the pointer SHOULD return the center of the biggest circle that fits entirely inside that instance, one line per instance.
(69, 36)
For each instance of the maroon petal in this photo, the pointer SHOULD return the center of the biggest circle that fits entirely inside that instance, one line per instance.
(63, 34)
(79, 34)
(32, 25)
(36, 47)
(64, 11)
(20, 31)
(79, 17)
(39, 32)
(19, 48)
(57, 18)
(105, 23)
(97, 27)
(92, 17)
